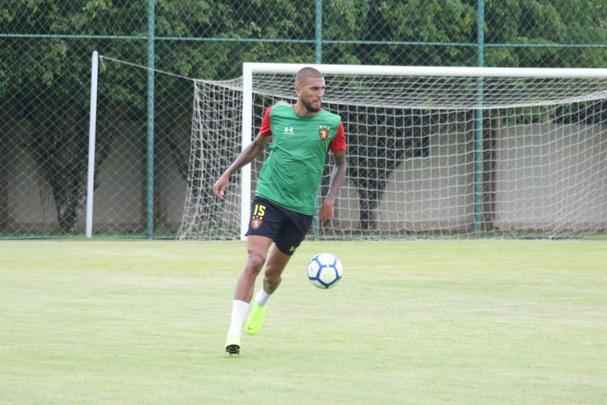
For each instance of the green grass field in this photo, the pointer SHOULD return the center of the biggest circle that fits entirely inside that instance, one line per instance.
(425, 322)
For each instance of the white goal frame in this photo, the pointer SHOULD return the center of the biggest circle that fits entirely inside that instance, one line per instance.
(249, 69)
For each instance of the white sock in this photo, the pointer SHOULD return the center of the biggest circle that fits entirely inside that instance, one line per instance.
(240, 310)
(262, 297)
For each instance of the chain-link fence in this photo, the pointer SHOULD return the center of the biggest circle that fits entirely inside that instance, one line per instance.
(144, 119)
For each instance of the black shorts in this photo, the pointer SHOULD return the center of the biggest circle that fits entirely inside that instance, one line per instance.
(285, 227)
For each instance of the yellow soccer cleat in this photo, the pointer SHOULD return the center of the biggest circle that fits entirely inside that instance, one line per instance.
(255, 320)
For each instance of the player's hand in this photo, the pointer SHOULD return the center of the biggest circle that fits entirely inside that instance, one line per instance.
(220, 186)
(326, 211)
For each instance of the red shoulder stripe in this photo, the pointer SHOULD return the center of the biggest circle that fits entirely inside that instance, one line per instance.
(338, 144)
(266, 127)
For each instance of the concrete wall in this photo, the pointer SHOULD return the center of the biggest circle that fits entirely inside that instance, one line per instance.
(549, 174)
(120, 198)
(435, 191)
(546, 176)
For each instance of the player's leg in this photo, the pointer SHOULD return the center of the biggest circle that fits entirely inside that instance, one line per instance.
(276, 263)
(257, 248)
(288, 238)
(264, 225)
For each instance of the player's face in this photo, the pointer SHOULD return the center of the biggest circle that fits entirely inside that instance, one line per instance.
(310, 91)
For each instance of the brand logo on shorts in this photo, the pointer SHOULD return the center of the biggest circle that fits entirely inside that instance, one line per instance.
(323, 132)
(255, 223)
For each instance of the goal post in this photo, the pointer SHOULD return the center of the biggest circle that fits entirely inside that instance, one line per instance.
(247, 138)
(433, 151)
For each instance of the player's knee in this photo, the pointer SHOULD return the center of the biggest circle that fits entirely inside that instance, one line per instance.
(255, 261)
(273, 280)
(273, 274)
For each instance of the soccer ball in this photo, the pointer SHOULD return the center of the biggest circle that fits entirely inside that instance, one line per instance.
(325, 270)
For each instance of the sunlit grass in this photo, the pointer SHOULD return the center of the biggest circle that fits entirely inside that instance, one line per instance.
(427, 322)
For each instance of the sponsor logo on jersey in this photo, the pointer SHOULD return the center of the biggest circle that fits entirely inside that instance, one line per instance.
(323, 132)
(289, 131)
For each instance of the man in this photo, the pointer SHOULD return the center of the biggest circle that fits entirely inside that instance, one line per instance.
(300, 134)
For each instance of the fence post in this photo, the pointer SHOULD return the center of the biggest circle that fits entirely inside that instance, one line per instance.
(317, 59)
(318, 33)
(149, 229)
(478, 121)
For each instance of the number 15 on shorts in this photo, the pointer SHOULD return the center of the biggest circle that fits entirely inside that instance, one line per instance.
(259, 211)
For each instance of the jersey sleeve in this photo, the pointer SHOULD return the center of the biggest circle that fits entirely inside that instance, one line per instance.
(338, 144)
(266, 128)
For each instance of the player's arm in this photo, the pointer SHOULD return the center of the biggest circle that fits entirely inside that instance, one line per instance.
(249, 153)
(338, 178)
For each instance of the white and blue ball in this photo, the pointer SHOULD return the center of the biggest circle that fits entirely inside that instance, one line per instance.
(325, 270)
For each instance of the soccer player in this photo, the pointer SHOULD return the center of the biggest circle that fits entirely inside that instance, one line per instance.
(299, 136)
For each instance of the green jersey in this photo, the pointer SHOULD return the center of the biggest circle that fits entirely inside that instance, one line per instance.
(291, 174)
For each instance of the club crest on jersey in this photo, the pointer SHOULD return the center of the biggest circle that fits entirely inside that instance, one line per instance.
(323, 132)
(255, 223)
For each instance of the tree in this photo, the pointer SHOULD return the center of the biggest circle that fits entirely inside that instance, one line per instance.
(48, 88)
(44, 82)
(541, 23)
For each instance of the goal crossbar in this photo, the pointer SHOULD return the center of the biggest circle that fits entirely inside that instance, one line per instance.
(461, 71)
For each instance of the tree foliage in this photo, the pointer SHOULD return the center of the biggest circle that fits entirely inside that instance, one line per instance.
(44, 81)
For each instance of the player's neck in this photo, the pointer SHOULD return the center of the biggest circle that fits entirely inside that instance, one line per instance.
(302, 111)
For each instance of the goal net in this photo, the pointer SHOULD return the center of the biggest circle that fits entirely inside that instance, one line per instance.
(433, 152)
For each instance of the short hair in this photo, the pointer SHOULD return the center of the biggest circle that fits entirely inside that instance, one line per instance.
(307, 72)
